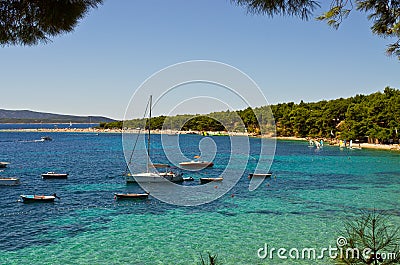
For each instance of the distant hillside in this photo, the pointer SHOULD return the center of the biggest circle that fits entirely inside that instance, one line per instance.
(28, 116)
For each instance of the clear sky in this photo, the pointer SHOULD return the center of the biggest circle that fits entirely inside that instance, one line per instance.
(95, 69)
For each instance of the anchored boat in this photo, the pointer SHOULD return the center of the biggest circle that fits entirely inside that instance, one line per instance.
(259, 175)
(38, 198)
(196, 164)
(207, 180)
(122, 196)
(148, 176)
(54, 175)
(4, 164)
(9, 181)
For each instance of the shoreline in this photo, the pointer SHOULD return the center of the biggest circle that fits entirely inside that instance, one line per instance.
(392, 147)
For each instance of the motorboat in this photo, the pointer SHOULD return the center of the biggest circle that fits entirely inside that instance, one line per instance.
(38, 198)
(259, 175)
(196, 164)
(154, 177)
(9, 181)
(4, 164)
(54, 175)
(207, 180)
(121, 196)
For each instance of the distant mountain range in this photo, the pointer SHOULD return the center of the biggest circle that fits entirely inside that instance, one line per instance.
(28, 116)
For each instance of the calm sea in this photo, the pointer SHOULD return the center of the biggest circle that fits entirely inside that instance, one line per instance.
(302, 207)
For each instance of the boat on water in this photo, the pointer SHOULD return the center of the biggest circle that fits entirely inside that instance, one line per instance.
(207, 180)
(4, 164)
(152, 175)
(196, 164)
(259, 175)
(43, 139)
(54, 175)
(155, 176)
(9, 181)
(38, 198)
(216, 134)
(122, 196)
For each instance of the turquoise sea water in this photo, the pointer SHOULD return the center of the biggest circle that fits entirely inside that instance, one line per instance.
(303, 207)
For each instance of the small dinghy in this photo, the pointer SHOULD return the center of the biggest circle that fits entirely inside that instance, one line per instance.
(54, 175)
(4, 164)
(9, 181)
(38, 198)
(122, 196)
(207, 180)
(188, 179)
(259, 175)
(196, 164)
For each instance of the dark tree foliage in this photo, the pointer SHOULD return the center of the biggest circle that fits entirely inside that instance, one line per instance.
(373, 231)
(374, 118)
(203, 123)
(111, 125)
(384, 14)
(156, 123)
(300, 8)
(29, 22)
(250, 120)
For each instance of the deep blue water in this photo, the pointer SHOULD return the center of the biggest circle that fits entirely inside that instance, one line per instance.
(302, 205)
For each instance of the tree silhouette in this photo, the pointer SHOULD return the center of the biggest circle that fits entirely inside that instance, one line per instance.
(385, 14)
(29, 22)
(374, 237)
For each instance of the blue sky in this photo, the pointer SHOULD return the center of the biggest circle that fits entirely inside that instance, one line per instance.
(95, 69)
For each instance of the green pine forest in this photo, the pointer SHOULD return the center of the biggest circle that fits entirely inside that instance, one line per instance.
(373, 118)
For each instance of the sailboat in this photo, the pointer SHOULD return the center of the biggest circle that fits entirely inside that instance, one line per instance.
(153, 176)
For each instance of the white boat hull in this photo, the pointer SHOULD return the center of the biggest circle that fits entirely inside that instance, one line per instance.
(3, 164)
(196, 164)
(153, 177)
(260, 175)
(37, 198)
(9, 181)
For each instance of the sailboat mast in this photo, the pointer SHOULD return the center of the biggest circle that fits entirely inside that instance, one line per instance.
(148, 137)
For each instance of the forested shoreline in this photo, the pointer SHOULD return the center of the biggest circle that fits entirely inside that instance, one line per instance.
(372, 118)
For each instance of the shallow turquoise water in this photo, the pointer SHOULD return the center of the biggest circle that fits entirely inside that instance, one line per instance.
(303, 207)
